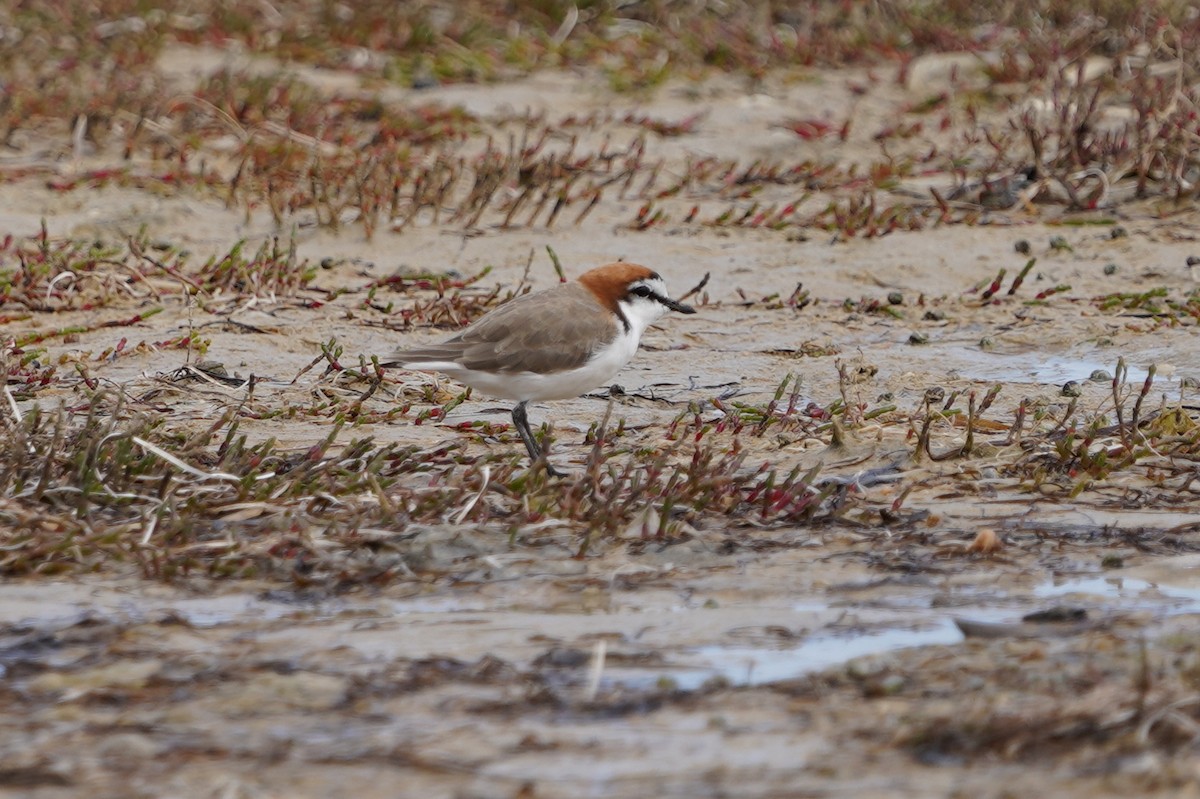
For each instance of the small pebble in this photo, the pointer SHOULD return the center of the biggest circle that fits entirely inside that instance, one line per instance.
(918, 338)
(986, 343)
(1071, 388)
(935, 394)
(1190, 382)
(1110, 269)
(862, 668)
(1100, 376)
(424, 79)
(563, 657)
(934, 316)
(1059, 243)
(1056, 614)
(1192, 260)
(889, 685)
(1118, 233)
(212, 368)
(1022, 246)
(895, 298)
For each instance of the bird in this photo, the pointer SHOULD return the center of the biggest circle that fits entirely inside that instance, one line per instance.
(552, 344)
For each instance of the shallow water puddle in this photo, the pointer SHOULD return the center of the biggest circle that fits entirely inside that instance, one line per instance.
(745, 665)
(1042, 368)
(41, 603)
(924, 621)
(647, 641)
(1126, 593)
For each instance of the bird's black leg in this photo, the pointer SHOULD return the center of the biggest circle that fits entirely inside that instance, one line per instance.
(522, 423)
(535, 453)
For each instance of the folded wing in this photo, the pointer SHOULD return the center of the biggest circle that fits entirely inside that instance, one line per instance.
(523, 335)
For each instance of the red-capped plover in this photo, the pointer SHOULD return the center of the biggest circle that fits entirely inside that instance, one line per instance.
(552, 344)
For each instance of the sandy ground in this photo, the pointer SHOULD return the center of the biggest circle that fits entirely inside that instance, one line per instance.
(802, 662)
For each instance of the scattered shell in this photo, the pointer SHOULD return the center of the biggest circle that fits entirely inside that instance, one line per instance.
(986, 542)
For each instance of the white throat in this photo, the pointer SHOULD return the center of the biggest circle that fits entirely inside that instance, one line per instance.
(640, 315)
(641, 312)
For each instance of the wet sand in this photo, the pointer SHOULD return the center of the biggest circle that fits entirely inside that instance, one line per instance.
(827, 661)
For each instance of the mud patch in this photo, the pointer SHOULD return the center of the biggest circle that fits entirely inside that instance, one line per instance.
(871, 523)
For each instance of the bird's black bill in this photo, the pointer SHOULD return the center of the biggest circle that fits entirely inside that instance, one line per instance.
(675, 306)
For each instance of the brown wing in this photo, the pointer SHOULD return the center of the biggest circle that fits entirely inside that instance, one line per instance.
(520, 337)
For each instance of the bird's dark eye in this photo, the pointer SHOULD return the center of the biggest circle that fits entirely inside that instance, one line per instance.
(641, 291)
